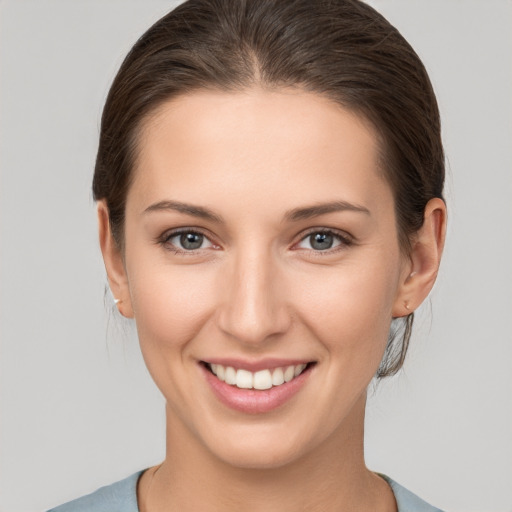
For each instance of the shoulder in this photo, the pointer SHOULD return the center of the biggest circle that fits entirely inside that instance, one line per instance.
(118, 497)
(406, 500)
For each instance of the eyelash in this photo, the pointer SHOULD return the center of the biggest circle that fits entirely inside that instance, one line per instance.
(344, 238)
(168, 235)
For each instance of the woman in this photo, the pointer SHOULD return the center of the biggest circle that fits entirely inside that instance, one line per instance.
(269, 183)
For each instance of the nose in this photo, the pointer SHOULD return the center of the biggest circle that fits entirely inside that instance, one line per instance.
(253, 308)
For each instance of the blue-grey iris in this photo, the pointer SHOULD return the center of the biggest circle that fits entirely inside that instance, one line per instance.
(321, 241)
(191, 241)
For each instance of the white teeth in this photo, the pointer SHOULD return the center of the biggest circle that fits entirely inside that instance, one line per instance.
(243, 379)
(277, 377)
(221, 372)
(230, 375)
(263, 379)
(299, 369)
(289, 373)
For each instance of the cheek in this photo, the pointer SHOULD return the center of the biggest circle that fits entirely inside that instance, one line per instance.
(171, 303)
(350, 310)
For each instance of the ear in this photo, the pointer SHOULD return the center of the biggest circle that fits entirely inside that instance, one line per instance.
(114, 263)
(420, 272)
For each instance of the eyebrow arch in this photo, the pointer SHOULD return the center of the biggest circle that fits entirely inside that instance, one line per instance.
(294, 215)
(188, 209)
(322, 209)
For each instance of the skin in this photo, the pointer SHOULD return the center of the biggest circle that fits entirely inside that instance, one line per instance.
(257, 288)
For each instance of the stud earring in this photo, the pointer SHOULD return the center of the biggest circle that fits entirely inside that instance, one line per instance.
(406, 304)
(117, 301)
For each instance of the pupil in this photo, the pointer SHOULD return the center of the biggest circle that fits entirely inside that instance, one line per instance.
(321, 241)
(191, 240)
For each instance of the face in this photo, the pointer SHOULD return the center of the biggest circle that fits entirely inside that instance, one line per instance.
(261, 246)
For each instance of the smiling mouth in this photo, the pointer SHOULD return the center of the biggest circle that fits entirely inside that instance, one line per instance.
(260, 380)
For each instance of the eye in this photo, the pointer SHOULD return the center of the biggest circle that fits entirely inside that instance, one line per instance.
(186, 241)
(323, 240)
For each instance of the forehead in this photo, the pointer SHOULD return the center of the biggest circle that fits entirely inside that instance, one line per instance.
(287, 144)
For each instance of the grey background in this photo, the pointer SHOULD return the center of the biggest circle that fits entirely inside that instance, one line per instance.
(78, 409)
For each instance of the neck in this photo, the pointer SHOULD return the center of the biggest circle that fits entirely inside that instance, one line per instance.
(332, 477)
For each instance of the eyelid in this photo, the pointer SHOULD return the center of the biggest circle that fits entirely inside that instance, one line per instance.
(346, 240)
(165, 237)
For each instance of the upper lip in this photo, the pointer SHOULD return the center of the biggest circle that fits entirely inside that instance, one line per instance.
(256, 365)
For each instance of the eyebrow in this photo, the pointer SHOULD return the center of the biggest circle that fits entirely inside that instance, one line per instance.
(294, 215)
(189, 209)
(324, 208)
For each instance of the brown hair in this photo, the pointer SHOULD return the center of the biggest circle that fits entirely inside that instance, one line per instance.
(342, 49)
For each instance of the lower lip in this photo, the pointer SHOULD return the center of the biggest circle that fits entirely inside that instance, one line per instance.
(255, 401)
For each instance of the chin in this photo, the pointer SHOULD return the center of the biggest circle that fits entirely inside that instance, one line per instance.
(258, 447)
(269, 456)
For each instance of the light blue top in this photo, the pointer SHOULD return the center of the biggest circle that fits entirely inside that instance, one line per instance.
(122, 497)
